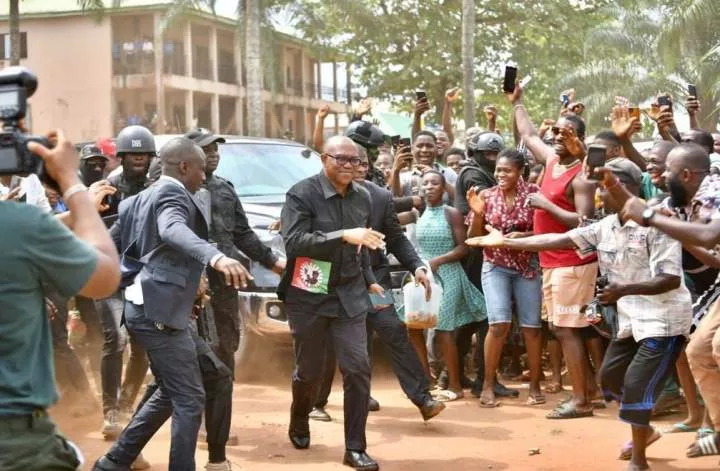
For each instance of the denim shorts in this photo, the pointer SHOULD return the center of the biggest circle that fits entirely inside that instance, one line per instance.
(502, 286)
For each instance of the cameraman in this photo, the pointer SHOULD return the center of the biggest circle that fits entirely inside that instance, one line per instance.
(44, 251)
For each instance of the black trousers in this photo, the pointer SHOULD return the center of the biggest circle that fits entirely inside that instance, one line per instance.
(311, 335)
(226, 308)
(463, 340)
(217, 382)
(403, 358)
(634, 374)
(180, 393)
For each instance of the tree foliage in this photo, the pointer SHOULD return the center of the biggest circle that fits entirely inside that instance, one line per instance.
(400, 46)
(650, 47)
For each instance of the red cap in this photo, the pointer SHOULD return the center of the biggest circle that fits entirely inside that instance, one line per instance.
(107, 145)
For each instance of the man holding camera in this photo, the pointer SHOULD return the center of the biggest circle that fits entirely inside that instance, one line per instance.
(654, 311)
(80, 260)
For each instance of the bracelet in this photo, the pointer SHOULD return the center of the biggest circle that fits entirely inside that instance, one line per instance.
(76, 188)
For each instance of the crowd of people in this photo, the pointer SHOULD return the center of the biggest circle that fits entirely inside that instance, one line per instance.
(609, 268)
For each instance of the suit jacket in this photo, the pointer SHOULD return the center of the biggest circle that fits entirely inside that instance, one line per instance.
(383, 218)
(161, 235)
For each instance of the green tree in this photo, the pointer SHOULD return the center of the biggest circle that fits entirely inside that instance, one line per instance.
(647, 48)
(407, 46)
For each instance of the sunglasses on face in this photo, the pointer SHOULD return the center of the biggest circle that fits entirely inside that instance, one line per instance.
(343, 160)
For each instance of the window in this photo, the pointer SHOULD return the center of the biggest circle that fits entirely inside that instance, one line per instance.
(5, 46)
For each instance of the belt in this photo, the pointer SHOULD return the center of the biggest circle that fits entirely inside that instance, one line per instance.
(21, 422)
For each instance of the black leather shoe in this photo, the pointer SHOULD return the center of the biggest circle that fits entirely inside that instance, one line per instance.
(104, 463)
(360, 460)
(431, 408)
(503, 391)
(299, 433)
(373, 405)
(320, 414)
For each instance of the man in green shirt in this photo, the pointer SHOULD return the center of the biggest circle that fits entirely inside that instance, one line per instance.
(653, 180)
(41, 250)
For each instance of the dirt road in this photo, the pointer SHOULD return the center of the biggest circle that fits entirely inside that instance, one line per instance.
(464, 437)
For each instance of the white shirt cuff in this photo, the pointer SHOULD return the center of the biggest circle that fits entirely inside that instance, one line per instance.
(215, 259)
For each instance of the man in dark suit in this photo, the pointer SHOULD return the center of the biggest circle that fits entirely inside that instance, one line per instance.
(325, 226)
(383, 318)
(162, 236)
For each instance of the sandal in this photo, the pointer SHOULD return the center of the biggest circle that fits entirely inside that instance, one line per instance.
(626, 450)
(447, 395)
(680, 428)
(487, 404)
(535, 400)
(706, 446)
(568, 411)
(554, 388)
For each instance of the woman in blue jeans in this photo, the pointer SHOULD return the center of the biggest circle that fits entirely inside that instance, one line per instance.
(507, 275)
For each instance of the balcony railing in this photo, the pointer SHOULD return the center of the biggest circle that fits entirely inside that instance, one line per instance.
(227, 74)
(311, 90)
(202, 68)
(294, 87)
(174, 64)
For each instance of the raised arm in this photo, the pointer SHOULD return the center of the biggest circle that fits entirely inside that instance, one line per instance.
(318, 133)
(450, 97)
(536, 243)
(624, 126)
(526, 129)
(421, 106)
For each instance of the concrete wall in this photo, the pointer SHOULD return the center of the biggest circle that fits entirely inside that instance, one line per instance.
(73, 61)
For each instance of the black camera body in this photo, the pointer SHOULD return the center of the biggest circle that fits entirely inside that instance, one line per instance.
(17, 84)
(594, 311)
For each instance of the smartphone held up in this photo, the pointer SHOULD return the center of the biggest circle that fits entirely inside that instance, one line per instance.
(510, 79)
(597, 155)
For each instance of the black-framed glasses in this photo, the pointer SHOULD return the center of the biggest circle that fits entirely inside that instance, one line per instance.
(364, 165)
(343, 160)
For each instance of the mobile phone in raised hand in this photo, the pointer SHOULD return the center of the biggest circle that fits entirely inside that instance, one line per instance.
(634, 112)
(692, 90)
(597, 155)
(419, 95)
(663, 100)
(510, 78)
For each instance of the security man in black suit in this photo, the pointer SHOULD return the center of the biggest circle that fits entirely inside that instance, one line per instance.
(162, 236)
(325, 227)
(383, 318)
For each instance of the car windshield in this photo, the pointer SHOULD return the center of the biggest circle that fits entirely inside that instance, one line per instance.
(266, 169)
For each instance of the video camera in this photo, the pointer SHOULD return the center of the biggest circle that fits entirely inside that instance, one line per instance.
(17, 84)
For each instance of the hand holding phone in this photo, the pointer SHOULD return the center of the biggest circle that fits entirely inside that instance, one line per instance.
(509, 79)
(597, 155)
(663, 100)
(692, 90)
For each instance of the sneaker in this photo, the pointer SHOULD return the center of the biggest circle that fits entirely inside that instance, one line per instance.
(140, 463)
(224, 466)
(111, 426)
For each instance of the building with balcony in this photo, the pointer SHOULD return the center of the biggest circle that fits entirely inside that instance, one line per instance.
(98, 74)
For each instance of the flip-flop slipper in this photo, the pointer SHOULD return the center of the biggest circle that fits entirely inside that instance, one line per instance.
(706, 446)
(554, 388)
(680, 428)
(489, 405)
(536, 400)
(626, 450)
(568, 411)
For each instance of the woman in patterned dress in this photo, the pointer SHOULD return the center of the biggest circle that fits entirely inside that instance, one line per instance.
(441, 239)
(509, 275)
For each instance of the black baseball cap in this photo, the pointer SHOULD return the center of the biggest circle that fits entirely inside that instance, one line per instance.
(90, 151)
(203, 137)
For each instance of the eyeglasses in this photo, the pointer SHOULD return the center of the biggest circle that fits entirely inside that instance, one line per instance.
(363, 165)
(343, 160)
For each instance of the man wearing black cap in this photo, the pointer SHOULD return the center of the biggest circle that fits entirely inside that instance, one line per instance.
(229, 228)
(92, 164)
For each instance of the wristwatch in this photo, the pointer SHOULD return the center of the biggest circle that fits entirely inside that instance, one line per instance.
(647, 215)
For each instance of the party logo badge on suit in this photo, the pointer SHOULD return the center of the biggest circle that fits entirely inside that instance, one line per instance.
(311, 275)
